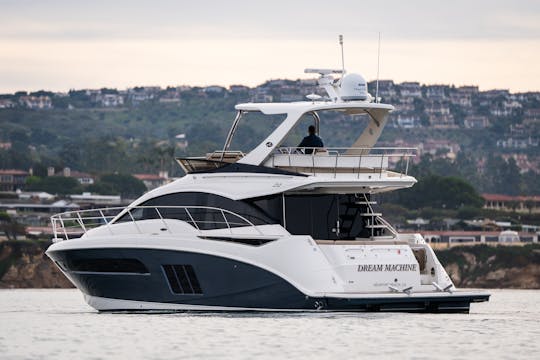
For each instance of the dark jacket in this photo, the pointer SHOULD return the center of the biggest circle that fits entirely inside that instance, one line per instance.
(311, 141)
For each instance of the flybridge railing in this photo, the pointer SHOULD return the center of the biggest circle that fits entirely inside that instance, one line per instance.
(74, 224)
(336, 160)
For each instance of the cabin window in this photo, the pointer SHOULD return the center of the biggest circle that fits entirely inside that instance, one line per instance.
(318, 215)
(258, 211)
(101, 265)
(315, 215)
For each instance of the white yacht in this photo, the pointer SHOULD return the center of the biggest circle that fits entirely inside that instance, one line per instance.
(277, 228)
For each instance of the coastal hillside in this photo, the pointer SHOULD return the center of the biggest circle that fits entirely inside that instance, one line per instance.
(484, 266)
(23, 264)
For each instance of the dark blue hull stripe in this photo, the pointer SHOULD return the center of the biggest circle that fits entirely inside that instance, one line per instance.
(224, 283)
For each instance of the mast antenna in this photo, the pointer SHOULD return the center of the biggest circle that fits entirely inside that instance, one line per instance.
(378, 62)
(342, 56)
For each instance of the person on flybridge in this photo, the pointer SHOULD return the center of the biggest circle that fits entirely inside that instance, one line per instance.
(311, 141)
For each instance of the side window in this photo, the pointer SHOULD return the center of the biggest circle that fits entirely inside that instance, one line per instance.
(204, 210)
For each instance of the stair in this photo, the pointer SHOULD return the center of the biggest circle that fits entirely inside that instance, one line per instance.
(376, 226)
(365, 202)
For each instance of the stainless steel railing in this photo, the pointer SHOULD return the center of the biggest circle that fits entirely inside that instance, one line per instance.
(74, 224)
(342, 159)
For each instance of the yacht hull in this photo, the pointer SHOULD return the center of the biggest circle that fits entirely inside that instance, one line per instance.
(165, 282)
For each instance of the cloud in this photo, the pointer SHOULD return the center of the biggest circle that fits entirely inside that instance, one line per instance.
(59, 44)
(278, 19)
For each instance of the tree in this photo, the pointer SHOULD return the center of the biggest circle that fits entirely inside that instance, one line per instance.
(55, 185)
(440, 192)
(125, 185)
(10, 227)
(502, 177)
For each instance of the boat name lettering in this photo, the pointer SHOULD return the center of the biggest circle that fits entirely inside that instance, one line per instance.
(386, 267)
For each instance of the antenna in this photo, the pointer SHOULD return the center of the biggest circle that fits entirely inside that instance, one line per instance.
(342, 56)
(377, 100)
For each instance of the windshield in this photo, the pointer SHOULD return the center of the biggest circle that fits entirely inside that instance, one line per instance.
(252, 129)
(335, 128)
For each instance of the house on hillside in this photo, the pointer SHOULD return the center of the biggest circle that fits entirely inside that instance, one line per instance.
(436, 92)
(110, 100)
(152, 181)
(6, 104)
(476, 122)
(439, 114)
(36, 102)
(410, 90)
(81, 177)
(521, 204)
(12, 179)
(407, 121)
(181, 141)
(238, 88)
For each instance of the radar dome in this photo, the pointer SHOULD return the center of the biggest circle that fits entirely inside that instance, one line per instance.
(354, 87)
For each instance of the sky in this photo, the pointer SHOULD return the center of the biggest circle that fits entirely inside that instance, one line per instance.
(59, 45)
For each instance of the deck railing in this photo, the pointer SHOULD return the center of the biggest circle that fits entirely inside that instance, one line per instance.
(313, 160)
(336, 160)
(74, 224)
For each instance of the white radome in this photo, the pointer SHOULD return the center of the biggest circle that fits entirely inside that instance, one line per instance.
(354, 87)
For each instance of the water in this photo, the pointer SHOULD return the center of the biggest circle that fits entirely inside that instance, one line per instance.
(57, 324)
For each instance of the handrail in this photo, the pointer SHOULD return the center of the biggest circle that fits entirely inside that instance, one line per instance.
(71, 224)
(294, 148)
(348, 159)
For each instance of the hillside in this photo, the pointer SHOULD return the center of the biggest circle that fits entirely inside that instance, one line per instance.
(490, 138)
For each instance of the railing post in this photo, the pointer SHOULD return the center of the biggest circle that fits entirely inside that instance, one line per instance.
(313, 162)
(53, 222)
(407, 166)
(359, 165)
(106, 222)
(64, 228)
(134, 222)
(335, 166)
(289, 155)
(226, 221)
(380, 171)
(192, 220)
(81, 222)
(163, 220)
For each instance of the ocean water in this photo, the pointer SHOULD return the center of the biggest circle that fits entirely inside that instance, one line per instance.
(57, 324)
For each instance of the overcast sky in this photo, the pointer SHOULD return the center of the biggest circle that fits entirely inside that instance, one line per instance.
(58, 45)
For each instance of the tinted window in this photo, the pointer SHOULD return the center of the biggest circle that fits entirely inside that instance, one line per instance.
(107, 265)
(318, 215)
(258, 211)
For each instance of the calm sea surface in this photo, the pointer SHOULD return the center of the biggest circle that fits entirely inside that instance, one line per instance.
(57, 324)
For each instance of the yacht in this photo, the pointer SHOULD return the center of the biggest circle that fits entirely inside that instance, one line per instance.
(275, 228)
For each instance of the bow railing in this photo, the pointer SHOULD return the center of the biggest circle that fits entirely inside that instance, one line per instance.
(74, 224)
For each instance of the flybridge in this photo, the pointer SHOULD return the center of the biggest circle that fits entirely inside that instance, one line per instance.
(360, 161)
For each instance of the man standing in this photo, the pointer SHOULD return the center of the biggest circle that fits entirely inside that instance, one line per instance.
(311, 141)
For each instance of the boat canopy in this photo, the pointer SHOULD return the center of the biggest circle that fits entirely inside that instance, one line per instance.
(377, 112)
